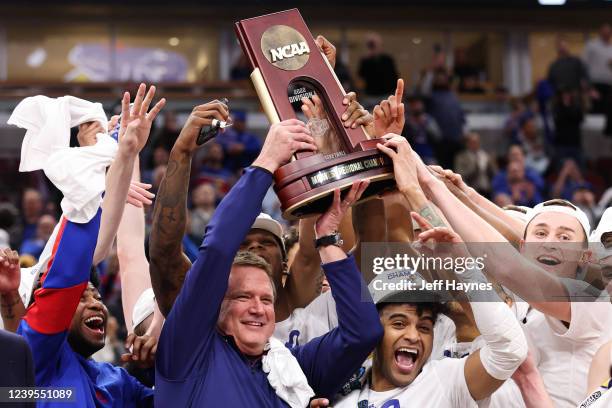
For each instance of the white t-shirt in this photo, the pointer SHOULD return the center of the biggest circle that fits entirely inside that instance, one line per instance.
(598, 56)
(305, 324)
(445, 333)
(506, 396)
(440, 384)
(563, 355)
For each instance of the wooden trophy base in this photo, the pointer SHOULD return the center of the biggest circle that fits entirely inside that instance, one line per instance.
(305, 187)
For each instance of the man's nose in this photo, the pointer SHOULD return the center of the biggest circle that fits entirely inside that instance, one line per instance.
(253, 245)
(256, 307)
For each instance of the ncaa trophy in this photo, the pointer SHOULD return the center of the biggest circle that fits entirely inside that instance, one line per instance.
(288, 66)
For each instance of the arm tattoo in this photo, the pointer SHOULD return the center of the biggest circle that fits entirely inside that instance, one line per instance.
(168, 265)
(8, 303)
(431, 216)
(12, 310)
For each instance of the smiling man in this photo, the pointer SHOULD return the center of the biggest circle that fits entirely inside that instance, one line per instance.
(566, 324)
(216, 347)
(401, 375)
(556, 238)
(66, 322)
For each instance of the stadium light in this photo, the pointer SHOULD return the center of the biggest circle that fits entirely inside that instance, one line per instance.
(551, 2)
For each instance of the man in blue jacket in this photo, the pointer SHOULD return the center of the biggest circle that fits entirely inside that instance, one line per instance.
(216, 347)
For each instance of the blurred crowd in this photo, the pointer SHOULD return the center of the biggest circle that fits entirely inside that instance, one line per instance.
(544, 160)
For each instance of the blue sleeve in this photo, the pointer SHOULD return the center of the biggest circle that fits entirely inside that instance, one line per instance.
(46, 322)
(330, 360)
(135, 392)
(193, 317)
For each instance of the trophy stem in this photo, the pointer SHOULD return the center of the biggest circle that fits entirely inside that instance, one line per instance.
(264, 96)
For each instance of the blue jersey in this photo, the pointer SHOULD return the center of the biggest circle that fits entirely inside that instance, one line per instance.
(47, 321)
(197, 366)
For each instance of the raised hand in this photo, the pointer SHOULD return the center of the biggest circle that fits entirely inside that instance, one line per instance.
(438, 241)
(136, 121)
(313, 108)
(355, 114)
(143, 350)
(87, 133)
(10, 273)
(283, 140)
(329, 222)
(138, 195)
(404, 163)
(389, 115)
(327, 48)
(451, 176)
(201, 115)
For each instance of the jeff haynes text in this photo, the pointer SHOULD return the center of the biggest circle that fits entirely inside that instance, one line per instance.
(436, 285)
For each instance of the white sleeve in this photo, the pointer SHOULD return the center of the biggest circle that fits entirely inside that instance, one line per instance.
(506, 346)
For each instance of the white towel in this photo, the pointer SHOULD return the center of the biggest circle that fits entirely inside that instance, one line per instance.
(286, 376)
(80, 174)
(48, 122)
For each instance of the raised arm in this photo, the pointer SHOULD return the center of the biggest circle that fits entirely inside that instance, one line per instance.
(11, 305)
(328, 361)
(47, 320)
(118, 180)
(505, 344)
(455, 184)
(169, 264)
(133, 264)
(506, 266)
(194, 314)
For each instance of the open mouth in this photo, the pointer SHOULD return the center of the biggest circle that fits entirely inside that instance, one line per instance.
(95, 324)
(548, 260)
(405, 358)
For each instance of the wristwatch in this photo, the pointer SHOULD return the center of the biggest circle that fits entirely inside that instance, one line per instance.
(326, 240)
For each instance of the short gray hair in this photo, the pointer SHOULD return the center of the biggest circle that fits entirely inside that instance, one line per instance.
(246, 258)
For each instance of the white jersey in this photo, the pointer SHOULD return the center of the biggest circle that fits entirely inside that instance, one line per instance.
(507, 396)
(440, 384)
(304, 324)
(445, 333)
(563, 355)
